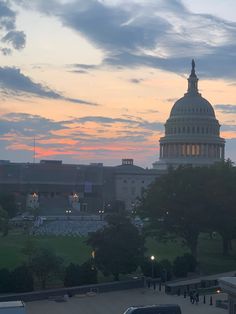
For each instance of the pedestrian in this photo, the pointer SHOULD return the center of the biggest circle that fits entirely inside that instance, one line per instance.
(191, 296)
(197, 297)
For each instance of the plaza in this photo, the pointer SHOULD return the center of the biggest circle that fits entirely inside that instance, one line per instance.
(116, 303)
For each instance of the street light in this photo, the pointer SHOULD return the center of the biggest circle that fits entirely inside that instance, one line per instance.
(101, 212)
(68, 212)
(152, 261)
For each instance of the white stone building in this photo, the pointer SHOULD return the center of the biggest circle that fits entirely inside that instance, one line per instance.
(192, 132)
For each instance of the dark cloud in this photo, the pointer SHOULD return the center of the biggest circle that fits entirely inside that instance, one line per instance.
(10, 36)
(172, 100)
(84, 66)
(80, 71)
(15, 83)
(226, 108)
(136, 81)
(7, 16)
(28, 125)
(16, 38)
(228, 127)
(6, 51)
(130, 123)
(159, 34)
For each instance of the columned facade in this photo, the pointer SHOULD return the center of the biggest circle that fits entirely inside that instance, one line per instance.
(192, 132)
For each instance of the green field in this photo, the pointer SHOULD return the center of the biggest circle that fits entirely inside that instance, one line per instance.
(74, 249)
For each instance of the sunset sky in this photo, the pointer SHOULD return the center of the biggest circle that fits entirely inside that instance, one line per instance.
(94, 80)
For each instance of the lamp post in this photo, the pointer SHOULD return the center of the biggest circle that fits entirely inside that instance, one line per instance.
(101, 212)
(152, 261)
(68, 212)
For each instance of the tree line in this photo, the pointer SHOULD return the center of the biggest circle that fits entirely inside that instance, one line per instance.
(190, 200)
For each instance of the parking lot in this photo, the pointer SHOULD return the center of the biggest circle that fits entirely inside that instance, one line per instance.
(117, 302)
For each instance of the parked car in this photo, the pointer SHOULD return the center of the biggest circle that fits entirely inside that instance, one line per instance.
(154, 309)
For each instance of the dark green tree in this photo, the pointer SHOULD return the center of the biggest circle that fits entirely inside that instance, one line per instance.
(76, 275)
(22, 279)
(45, 263)
(72, 275)
(29, 249)
(118, 247)
(88, 273)
(4, 221)
(5, 281)
(8, 203)
(180, 266)
(176, 205)
(221, 198)
(150, 268)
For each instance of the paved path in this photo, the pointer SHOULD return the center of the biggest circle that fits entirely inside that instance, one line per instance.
(117, 302)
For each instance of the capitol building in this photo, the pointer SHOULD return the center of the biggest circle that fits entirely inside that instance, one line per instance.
(192, 132)
(192, 137)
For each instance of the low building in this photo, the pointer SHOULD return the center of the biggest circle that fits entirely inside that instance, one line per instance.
(228, 285)
(54, 187)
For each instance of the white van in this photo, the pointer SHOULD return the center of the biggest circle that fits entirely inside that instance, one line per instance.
(154, 309)
(12, 307)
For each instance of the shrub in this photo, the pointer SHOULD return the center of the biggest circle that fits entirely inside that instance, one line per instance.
(5, 280)
(180, 266)
(147, 265)
(22, 279)
(191, 261)
(166, 270)
(76, 275)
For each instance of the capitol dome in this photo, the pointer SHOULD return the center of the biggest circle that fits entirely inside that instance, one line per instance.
(192, 132)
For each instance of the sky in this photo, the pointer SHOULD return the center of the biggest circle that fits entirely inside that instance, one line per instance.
(95, 80)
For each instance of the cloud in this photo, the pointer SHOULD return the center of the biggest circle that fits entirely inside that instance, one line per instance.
(14, 82)
(136, 81)
(226, 108)
(10, 36)
(84, 139)
(84, 66)
(159, 34)
(130, 123)
(16, 38)
(228, 127)
(28, 125)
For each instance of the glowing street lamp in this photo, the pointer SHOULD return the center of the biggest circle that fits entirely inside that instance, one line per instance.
(152, 261)
(101, 212)
(68, 212)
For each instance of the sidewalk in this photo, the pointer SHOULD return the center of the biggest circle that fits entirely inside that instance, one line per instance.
(117, 302)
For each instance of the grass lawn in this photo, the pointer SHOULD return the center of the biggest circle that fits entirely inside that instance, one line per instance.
(74, 249)
(71, 249)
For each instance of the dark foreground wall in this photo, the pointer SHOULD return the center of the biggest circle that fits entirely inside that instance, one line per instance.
(103, 287)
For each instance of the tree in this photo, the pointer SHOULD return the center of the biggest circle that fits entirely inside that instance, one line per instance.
(29, 249)
(22, 279)
(5, 282)
(176, 205)
(4, 221)
(8, 203)
(72, 275)
(180, 266)
(221, 200)
(118, 247)
(150, 268)
(76, 275)
(44, 264)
